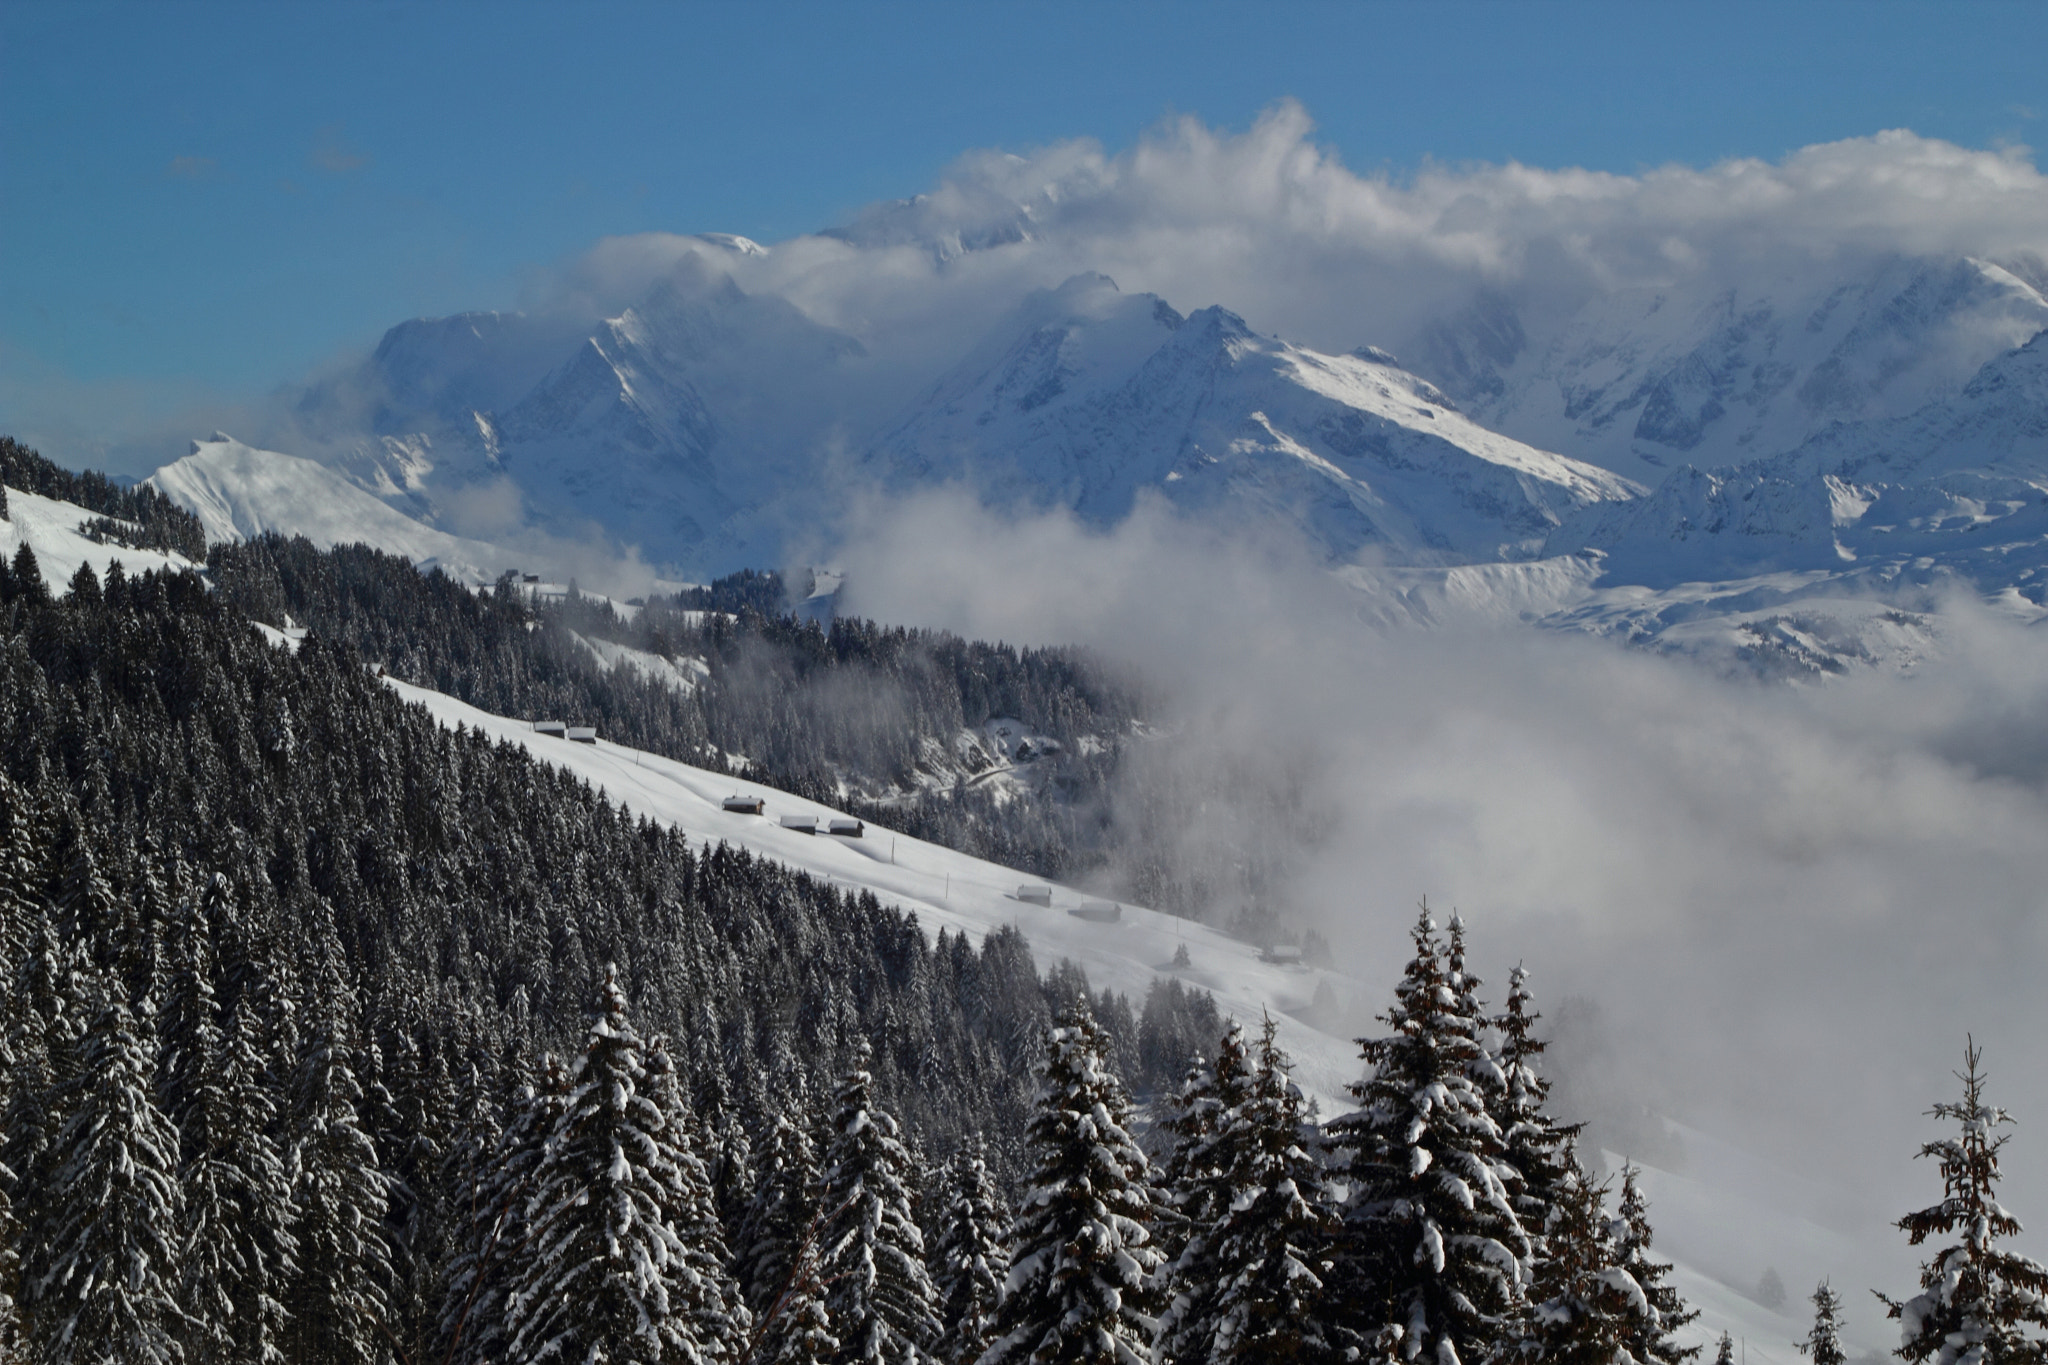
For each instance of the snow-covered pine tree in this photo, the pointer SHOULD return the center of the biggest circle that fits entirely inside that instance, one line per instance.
(239, 1251)
(1583, 1306)
(779, 1217)
(1537, 1149)
(339, 1302)
(500, 1180)
(1191, 1189)
(1250, 1285)
(47, 1013)
(1724, 1353)
(1823, 1344)
(596, 1279)
(796, 1329)
(1432, 1262)
(1978, 1304)
(1080, 1290)
(881, 1301)
(104, 1286)
(705, 1293)
(1660, 1311)
(969, 1263)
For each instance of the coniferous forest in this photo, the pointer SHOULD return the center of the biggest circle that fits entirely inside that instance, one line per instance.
(331, 1035)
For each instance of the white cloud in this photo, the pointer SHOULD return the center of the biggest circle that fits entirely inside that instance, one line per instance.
(1790, 904)
(1275, 226)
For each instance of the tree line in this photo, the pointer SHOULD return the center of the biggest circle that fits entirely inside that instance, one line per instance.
(138, 516)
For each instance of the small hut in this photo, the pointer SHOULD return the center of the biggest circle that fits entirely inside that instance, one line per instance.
(583, 734)
(743, 805)
(845, 826)
(1036, 895)
(1285, 954)
(802, 824)
(1102, 912)
(550, 727)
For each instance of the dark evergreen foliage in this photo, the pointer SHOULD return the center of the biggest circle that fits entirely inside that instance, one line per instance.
(1433, 1260)
(1823, 1344)
(353, 933)
(1081, 1288)
(969, 1261)
(1978, 1304)
(1659, 1311)
(878, 1295)
(1251, 1283)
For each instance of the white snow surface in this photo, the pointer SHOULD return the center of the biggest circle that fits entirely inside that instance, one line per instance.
(51, 530)
(239, 492)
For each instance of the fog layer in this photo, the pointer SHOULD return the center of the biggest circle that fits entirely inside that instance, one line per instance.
(1789, 904)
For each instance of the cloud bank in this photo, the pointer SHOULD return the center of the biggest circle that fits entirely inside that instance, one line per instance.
(1789, 905)
(1275, 226)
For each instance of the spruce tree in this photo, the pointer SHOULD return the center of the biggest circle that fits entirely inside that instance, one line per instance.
(597, 1271)
(1250, 1284)
(500, 1183)
(780, 1216)
(705, 1294)
(880, 1300)
(339, 1305)
(1537, 1150)
(1583, 1306)
(1724, 1354)
(1660, 1311)
(1432, 1260)
(239, 1251)
(1080, 1290)
(796, 1329)
(1192, 1184)
(1823, 1344)
(969, 1263)
(104, 1286)
(1978, 1303)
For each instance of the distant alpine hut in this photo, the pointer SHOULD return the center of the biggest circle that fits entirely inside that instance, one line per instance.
(1037, 895)
(846, 827)
(529, 578)
(802, 824)
(743, 805)
(583, 734)
(1285, 954)
(1102, 912)
(551, 727)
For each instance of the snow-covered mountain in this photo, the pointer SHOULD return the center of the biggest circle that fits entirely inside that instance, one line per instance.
(1866, 432)
(1955, 489)
(1086, 397)
(1641, 380)
(686, 426)
(238, 491)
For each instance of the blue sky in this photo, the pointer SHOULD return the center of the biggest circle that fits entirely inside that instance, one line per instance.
(204, 200)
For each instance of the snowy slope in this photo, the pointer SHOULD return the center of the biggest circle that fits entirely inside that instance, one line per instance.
(238, 492)
(1087, 396)
(950, 890)
(50, 529)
